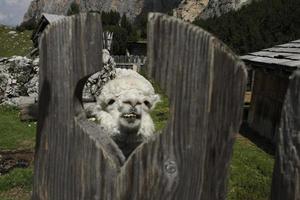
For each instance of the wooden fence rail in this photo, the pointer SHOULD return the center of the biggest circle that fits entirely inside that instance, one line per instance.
(189, 159)
(130, 59)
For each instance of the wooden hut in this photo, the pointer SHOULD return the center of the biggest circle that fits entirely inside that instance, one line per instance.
(271, 69)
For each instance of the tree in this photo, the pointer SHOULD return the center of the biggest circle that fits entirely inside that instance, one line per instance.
(74, 9)
(120, 39)
(259, 25)
(141, 23)
(110, 18)
(130, 29)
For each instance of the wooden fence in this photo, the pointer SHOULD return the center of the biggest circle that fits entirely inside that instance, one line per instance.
(286, 174)
(130, 62)
(130, 59)
(189, 159)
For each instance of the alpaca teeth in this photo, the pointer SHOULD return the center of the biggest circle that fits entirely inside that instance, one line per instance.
(129, 115)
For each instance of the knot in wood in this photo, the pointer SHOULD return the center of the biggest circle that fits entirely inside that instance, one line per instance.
(170, 167)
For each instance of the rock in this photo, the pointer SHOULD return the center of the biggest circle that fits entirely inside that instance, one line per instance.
(216, 8)
(12, 32)
(19, 81)
(33, 84)
(15, 72)
(189, 10)
(19, 101)
(131, 8)
(29, 112)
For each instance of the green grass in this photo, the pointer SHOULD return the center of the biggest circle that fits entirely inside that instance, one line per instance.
(160, 113)
(19, 44)
(16, 185)
(250, 169)
(13, 133)
(17, 178)
(250, 172)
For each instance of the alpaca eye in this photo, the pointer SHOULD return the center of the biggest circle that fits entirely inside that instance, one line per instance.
(111, 101)
(147, 103)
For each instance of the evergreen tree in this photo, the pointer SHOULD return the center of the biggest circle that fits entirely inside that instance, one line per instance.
(259, 25)
(110, 18)
(130, 29)
(74, 9)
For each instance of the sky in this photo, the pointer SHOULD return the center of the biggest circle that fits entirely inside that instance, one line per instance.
(12, 11)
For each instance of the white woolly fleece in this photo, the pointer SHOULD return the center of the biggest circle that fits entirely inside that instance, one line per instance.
(128, 86)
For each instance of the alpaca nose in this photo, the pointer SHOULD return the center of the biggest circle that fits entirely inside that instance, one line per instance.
(132, 110)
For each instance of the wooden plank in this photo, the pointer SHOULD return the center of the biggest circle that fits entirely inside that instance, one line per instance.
(190, 159)
(247, 57)
(264, 54)
(290, 45)
(284, 50)
(292, 63)
(286, 175)
(269, 60)
(294, 57)
(71, 160)
(277, 55)
(296, 41)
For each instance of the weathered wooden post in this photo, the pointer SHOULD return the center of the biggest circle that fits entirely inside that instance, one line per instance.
(189, 160)
(286, 174)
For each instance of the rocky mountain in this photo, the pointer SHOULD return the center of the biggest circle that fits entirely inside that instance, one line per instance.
(189, 10)
(132, 8)
(185, 9)
(219, 7)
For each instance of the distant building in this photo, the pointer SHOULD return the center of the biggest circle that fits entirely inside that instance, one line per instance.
(270, 70)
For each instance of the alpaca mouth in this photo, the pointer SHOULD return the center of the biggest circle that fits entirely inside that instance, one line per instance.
(131, 116)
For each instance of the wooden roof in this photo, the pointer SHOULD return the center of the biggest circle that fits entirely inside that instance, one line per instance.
(284, 56)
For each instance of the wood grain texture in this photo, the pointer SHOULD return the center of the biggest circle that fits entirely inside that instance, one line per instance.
(70, 162)
(205, 83)
(286, 174)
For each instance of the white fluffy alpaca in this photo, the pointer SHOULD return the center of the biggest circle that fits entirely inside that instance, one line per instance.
(123, 109)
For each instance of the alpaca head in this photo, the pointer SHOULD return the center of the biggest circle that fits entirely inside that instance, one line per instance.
(125, 104)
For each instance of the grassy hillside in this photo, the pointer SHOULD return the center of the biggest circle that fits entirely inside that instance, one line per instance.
(250, 172)
(250, 169)
(262, 24)
(15, 135)
(14, 44)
